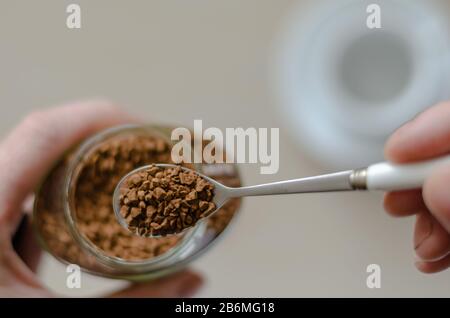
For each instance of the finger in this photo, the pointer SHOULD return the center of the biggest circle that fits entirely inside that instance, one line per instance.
(431, 240)
(404, 203)
(24, 240)
(182, 284)
(28, 152)
(436, 193)
(25, 244)
(33, 147)
(424, 137)
(433, 267)
(13, 271)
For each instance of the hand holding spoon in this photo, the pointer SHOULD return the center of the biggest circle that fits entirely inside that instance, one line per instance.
(381, 176)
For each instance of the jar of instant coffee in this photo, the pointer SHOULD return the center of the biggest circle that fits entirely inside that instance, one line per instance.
(74, 217)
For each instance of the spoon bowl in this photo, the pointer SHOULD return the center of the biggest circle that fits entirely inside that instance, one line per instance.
(221, 195)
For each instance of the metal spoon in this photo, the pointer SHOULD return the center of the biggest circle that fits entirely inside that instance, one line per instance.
(381, 176)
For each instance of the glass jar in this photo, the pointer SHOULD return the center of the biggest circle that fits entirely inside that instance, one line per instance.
(67, 229)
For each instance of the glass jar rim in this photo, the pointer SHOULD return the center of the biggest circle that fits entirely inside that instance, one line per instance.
(71, 177)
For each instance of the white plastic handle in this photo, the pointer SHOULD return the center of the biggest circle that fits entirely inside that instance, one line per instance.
(389, 177)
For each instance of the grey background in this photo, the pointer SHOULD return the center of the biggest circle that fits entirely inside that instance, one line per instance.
(176, 61)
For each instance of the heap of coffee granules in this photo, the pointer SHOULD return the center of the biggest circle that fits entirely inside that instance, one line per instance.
(163, 201)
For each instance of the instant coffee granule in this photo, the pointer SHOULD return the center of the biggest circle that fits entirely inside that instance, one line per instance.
(165, 200)
(101, 169)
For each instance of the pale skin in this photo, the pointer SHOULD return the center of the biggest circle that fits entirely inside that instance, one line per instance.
(26, 155)
(426, 136)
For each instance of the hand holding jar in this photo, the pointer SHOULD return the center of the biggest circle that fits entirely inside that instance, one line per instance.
(26, 156)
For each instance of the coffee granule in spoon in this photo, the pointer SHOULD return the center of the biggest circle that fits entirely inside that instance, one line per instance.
(162, 201)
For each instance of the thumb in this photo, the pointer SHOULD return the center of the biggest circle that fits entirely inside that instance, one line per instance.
(30, 150)
(182, 284)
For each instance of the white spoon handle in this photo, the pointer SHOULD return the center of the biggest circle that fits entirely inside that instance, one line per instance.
(388, 177)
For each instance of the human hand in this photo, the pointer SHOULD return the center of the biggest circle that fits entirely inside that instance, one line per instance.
(425, 137)
(26, 155)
